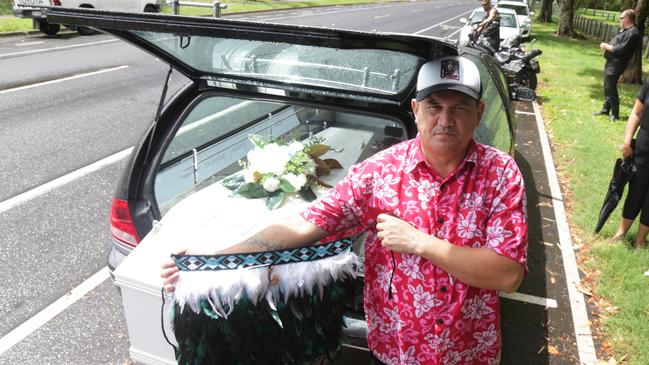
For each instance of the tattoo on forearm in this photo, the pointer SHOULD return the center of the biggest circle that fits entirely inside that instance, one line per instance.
(268, 246)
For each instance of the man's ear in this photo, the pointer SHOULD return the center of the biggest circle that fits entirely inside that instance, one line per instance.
(415, 106)
(481, 106)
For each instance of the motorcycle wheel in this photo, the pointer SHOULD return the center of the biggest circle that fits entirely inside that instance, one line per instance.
(526, 78)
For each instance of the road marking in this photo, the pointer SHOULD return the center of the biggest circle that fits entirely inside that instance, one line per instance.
(382, 16)
(58, 182)
(56, 48)
(585, 346)
(525, 113)
(52, 310)
(440, 23)
(28, 43)
(532, 299)
(19, 88)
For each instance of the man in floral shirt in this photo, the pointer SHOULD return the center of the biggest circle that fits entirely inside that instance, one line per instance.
(446, 223)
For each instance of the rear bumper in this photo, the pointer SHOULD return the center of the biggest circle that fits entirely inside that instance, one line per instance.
(117, 253)
(29, 13)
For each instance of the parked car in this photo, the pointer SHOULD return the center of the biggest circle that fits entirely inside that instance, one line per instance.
(34, 9)
(509, 25)
(522, 13)
(351, 88)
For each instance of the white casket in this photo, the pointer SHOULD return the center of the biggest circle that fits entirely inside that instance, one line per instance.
(211, 218)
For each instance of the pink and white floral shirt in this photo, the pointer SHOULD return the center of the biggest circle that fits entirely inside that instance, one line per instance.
(431, 317)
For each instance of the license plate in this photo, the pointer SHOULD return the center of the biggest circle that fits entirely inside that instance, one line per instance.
(32, 2)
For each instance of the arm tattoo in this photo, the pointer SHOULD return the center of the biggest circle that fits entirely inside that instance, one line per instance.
(267, 246)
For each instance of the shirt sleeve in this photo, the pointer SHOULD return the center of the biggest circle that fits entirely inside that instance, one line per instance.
(507, 222)
(345, 206)
(626, 44)
(642, 94)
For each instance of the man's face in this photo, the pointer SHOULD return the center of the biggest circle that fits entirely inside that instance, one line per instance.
(446, 121)
(624, 20)
(486, 5)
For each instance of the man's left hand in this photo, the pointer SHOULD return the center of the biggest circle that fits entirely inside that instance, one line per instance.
(399, 235)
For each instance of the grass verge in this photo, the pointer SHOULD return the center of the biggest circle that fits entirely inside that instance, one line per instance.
(585, 148)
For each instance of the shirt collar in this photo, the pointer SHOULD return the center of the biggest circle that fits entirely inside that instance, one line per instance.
(416, 155)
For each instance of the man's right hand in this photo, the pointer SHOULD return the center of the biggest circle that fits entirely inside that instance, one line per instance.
(627, 151)
(170, 273)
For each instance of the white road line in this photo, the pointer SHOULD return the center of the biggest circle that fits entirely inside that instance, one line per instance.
(525, 113)
(546, 302)
(52, 310)
(58, 182)
(28, 43)
(440, 23)
(56, 48)
(6, 91)
(585, 345)
(382, 16)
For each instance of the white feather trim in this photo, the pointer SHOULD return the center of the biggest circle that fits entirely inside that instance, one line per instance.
(223, 289)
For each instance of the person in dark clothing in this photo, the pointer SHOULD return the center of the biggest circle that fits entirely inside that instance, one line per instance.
(489, 28)
(617, 54)
(637, 199)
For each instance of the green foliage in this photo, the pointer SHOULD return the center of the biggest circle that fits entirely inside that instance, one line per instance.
(301, 330)
(584, 149)
(5, 7)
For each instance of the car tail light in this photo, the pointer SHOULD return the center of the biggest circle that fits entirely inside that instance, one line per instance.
(121, 223)
(56, 3)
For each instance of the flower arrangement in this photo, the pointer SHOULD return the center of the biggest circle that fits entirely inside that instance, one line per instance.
(273, 169)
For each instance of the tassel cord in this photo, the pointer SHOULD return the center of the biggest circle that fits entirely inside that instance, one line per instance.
(162, 321)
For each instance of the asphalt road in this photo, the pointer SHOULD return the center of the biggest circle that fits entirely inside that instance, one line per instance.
(67, 102)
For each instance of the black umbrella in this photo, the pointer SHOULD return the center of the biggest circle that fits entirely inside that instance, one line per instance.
(622, 173)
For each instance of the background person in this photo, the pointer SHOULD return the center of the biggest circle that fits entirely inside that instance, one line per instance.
(489, 28)
(637, 199)
(447, 229)
(617, 54)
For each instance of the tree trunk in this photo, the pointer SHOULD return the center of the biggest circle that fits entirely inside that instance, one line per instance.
(545, 15)
(633, 72)
(566, 14)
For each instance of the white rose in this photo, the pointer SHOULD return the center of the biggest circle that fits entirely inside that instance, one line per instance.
(271, 184)
(249, 176)
(271, 159)
(295, 147)
(297, 181)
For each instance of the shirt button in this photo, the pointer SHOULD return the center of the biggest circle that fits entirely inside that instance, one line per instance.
(440, 321)
(443, 289)
(440, 220)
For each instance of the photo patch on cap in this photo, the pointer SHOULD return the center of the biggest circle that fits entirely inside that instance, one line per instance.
(450, 70)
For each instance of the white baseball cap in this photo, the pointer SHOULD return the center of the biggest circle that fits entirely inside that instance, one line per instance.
(449, 73)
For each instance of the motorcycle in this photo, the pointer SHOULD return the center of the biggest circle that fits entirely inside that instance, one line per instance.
(518, 64)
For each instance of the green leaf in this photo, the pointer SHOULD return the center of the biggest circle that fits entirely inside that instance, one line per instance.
(286, 186)
(233, 182)
(307, 194)
(320, 182)
(275, 200)
(251, 191)
(333, 163)
(318, 150)
(258, 140)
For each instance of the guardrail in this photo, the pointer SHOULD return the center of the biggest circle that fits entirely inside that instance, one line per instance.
(216, 6)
